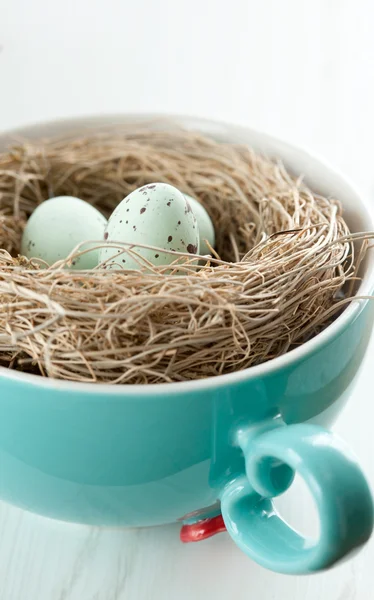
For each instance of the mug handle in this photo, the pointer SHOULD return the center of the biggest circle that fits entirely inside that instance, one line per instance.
(335, 480)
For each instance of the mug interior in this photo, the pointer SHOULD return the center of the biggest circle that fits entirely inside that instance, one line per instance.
(319, 175)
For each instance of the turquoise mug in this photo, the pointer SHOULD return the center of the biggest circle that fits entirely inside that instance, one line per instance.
(220, 448)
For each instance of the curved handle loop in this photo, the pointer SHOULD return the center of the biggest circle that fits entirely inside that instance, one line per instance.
(337, 484)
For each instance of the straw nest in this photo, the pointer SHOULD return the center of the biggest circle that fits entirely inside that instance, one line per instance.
(282, 256)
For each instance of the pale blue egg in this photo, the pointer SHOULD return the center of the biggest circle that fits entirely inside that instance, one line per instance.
(206, 228)
(58, 225)
(157, 215)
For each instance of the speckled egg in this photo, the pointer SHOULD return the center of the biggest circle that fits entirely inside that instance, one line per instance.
(57, 226)
(206, 229)
(157, 215)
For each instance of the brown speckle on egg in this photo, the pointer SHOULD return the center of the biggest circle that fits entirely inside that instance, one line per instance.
(157, 255)
(170, 238)
(106, 235)
(142, 210)
(192, 249)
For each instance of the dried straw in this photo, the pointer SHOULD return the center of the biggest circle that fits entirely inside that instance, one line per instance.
(282, 257)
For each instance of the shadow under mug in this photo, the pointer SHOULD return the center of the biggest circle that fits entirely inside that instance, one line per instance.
(146, 455)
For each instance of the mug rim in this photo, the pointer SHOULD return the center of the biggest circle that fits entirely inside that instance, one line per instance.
(350, 313)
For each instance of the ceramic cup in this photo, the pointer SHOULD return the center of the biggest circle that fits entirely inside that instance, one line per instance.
(147, 455)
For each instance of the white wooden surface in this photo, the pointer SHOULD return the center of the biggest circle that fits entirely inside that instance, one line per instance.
(300, 69)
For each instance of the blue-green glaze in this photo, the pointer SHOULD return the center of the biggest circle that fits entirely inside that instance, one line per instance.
(147, 455)
(138, 457)
(340, 491)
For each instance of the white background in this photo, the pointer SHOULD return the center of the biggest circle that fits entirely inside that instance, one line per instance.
(300, 69)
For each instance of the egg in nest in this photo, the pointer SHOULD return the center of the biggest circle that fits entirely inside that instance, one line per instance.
(57, 226)
(157, 215)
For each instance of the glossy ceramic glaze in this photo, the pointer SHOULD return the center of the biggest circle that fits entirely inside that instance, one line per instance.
(148, 455)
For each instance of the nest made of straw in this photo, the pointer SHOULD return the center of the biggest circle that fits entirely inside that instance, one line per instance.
(283, 254)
